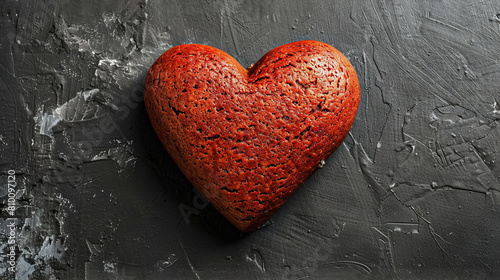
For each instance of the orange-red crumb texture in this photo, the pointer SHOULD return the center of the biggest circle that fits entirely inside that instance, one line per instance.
(247, 139)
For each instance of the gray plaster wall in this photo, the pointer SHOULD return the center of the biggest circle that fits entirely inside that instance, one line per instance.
(88, 192)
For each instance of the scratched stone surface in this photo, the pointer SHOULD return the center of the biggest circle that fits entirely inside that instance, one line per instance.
(88, 192)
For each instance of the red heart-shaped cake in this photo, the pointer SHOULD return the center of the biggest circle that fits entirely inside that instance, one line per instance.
(247, 139)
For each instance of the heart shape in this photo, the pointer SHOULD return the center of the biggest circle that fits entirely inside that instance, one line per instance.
(247, 139)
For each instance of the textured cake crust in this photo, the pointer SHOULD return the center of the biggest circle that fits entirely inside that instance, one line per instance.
(248, 139)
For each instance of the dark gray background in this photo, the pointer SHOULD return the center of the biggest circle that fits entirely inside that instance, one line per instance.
(413, 193)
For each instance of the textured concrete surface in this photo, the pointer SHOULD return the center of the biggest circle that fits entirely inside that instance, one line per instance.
(88, 192)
